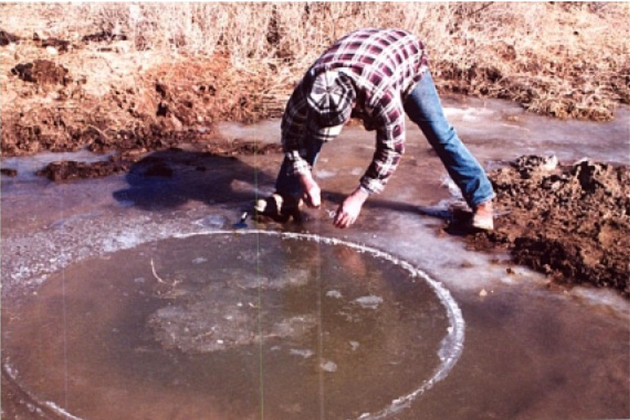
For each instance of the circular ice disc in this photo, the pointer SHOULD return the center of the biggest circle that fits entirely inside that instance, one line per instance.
(233, 326)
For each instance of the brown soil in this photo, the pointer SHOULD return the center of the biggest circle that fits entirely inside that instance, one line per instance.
(167, 106)
(7, 38)
(69, 170)
(61, 97)
(43, 72)
(571, 222)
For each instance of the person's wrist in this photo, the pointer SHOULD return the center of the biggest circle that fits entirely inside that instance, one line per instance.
(361, 193)
(306, 178)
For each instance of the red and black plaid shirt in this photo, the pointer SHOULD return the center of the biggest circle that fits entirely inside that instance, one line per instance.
(385, 65)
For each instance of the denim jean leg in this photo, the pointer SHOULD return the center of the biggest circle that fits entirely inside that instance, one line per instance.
(424, 108)
(289, 184)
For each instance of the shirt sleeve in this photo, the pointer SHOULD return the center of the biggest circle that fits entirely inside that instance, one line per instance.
(293, 128)
(390, 146)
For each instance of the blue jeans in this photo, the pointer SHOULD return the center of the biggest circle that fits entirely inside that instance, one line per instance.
(424, 108)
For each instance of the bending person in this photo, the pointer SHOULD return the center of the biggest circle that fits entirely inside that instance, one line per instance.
(379, 75)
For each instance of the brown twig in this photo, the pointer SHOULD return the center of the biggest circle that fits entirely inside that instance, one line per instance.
(155, 273)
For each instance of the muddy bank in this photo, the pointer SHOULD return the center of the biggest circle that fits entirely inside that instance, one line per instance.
(86, 76)
(90, 96)
(54, 107)
(70, 170)
(570, 221)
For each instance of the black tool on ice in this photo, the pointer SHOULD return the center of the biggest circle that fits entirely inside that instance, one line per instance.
(242, 224)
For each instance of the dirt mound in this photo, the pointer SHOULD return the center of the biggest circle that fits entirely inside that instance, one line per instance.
(69, 170)
(104, 36)
(57, 106)
(7, 38)
(59, 45)
(72, 170)
(43, 72)
(571, 222)
(8, 172)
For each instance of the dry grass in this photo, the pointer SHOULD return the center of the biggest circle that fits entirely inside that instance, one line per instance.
(568, 60)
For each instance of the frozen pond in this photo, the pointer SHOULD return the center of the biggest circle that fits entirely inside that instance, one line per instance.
(233, 322)
(135, 297)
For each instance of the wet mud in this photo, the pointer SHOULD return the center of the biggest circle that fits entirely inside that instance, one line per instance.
(69, 170)
(569, 221)
(73, 170)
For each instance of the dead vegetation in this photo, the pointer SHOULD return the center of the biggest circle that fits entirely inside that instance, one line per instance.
(139, 76)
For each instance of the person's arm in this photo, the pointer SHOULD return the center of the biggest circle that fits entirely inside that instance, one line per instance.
(390, 143)
(293, 127)
(312, 193)
(293, 131)
(349, 210)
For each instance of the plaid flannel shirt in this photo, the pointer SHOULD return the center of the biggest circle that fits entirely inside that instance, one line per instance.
(384, 65)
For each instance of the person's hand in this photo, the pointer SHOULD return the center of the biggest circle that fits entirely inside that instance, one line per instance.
(349, 210)
(312, 193)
